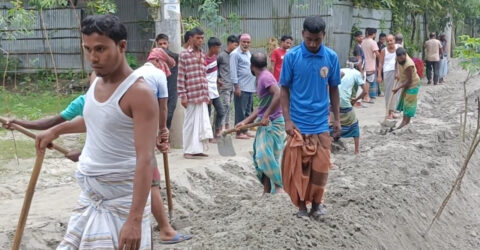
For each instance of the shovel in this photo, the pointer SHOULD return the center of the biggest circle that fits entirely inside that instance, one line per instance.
(225, 144)
(389, 124)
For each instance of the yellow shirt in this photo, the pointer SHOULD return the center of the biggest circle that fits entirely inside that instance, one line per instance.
(403, 75)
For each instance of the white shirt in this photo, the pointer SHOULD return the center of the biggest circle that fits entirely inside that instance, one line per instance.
(212, 80)
(156, 78)
(109, 145)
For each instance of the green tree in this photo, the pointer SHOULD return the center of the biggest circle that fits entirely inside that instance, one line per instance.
(469, 54)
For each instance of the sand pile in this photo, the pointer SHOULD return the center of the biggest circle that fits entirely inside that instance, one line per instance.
(383, 199)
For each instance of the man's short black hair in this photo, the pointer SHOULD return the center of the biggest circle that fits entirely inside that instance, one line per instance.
(357, 33)
(197, 31)
(370, 31)
(382, 35)
(314, 24)
(213, 41)
(259, 60)
(232, 39)
(432, 35)
(401, 51)
(107, 25)
(187, 36)
(161, 36)
(285, 38)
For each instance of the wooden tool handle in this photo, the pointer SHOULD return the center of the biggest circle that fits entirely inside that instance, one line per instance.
(167, 183)
(32, 135)
(28, 200)
(251, 125)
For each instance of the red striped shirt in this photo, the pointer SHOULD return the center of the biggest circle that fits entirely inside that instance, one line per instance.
(192, 77)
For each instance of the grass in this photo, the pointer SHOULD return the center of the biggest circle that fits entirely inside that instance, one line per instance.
(33, 106)
(25, 149)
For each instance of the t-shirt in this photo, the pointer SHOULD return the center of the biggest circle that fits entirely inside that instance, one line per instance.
(350, 78)
(212, 71)
(223, 63)
(308, 75)
(264, 81)
(369, 46)
(432, 50)
(403, 76)
(74, 109)
(156, 78)
(172, 79)
(277, 58)
(358, 51)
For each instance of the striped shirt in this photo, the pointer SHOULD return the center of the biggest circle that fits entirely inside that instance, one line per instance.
(192, 77)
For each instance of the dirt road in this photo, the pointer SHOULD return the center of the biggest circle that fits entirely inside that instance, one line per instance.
(382, 199)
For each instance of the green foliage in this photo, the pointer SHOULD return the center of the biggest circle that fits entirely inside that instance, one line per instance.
(101, 7)
(33, 105)
(46, 4)
(132, 61)
(468, 52)
(17, 22)
(190, 23)
(25, 149)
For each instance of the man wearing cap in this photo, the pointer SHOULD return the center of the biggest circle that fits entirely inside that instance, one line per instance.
(243, 82)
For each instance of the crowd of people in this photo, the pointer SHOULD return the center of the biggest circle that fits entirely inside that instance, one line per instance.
(305, 100)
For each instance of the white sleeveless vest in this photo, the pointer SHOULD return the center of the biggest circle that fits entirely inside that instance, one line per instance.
(109, 146)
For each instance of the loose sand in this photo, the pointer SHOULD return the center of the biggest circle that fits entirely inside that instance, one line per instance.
(382, 199)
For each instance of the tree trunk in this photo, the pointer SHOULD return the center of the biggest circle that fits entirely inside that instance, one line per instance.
(43, 41)
(44, 29)
(414, 27)
(425, 25)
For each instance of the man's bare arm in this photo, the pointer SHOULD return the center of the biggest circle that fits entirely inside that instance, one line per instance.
(162, 119)
(275, 92)
(41, 124)
(145, 116)
(144, 112)
(285, 102)
(46, 137)
(335, 101)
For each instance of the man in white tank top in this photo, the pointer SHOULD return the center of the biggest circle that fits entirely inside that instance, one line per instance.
(116, 164)
(387, 66)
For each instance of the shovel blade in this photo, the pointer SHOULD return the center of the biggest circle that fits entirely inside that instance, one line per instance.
(225, 146)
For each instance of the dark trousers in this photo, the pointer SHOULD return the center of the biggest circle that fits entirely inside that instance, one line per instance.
(243, 106)
(219, 113)
(172, 102)
(435, 67)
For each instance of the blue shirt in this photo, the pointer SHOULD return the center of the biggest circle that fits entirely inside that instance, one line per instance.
(240, 72)
(74, 109)
(307, 75)
(351, 77)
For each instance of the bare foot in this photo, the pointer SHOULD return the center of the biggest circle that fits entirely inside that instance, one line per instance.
(242, 137)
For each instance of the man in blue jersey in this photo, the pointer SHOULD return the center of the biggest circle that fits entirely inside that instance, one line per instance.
(309, 80)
